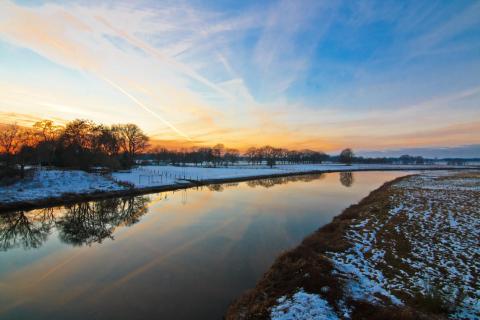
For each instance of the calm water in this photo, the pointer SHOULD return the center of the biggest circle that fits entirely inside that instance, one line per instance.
(174, 255)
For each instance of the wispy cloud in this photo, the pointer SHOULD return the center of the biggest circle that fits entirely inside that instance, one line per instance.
(294, 73)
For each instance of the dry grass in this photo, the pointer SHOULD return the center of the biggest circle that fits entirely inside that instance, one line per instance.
(306, 266)
(413, 224)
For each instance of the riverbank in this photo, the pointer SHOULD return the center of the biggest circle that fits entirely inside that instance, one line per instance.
(410, 250)
(45, 188)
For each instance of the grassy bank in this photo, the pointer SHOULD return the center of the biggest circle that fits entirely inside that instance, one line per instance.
(410, 250)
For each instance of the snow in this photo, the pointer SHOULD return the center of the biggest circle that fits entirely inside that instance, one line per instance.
(152, 176)
(303, 305)
(54, 183)
(431, 232)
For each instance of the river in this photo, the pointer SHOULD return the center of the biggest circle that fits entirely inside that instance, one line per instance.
(174, 255)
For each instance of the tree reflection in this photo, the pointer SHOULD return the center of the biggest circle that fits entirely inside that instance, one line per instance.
(26, 230)
(216, 187)
(270, 182)
(78, 224)
(90, 222)
(346, 179)
(266, 182)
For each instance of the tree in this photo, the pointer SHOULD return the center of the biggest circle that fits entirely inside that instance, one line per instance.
(231, 155)
(47, 134)
(206, 154)
(131, 138)
(26, 148)
(270, 154)
(406, 159)
(106, 141)
(218, 152)
(46, 130)
(251, 154)
(78, 134)
(9, 141)
(346, 156)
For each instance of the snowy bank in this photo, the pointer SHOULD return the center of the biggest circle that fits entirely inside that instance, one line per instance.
(55, 185)
(151, 176)
(431, 234)
(410, 250)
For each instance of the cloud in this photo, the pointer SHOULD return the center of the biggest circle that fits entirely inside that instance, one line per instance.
(277, 54)
(311, 74)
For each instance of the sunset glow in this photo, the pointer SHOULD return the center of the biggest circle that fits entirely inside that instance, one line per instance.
(322, 74)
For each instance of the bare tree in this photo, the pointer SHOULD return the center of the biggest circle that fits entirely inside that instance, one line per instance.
(132, 138)
(46, 130)
(251, 154)
(47, 134)
(106, 141)
(9, 141)
(270, 154)
(346, 156)
(346, 179)
(27, 141)
(218, 151)
(78, 133)
(231, 155)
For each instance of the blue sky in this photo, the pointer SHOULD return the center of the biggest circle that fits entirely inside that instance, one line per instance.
(299, 74)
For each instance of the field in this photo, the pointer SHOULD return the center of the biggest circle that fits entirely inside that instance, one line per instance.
(45, 184)
(410, 250)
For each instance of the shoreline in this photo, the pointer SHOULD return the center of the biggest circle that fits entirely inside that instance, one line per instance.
(286, 274)
(311, 268)
(69, 198)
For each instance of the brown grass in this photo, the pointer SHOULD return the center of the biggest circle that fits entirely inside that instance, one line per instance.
(309, 268)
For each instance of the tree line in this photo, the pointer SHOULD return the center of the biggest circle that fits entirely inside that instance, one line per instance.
(79, 144)
(84, 144)
(219, 155)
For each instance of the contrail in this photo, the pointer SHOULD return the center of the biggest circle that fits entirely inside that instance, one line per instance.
(172, 62)
(144, 107)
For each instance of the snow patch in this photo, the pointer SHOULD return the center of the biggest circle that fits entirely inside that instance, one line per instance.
(303, 306)
(54, 183)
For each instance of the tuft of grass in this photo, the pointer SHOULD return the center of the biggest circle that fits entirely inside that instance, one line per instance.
(363, 310)
(433, 301)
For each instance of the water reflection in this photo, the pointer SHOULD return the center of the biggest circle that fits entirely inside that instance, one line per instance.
(346, 179)
(92, 222)
(270, 182)
(219, 187)
(24, 230)
(78, 224)
(188, 258)
(267, 182)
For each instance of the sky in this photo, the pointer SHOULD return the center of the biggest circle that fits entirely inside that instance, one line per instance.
(324, 75)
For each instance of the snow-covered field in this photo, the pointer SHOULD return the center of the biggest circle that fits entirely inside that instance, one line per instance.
(53, 183)
(426, 245)
(150, 176)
